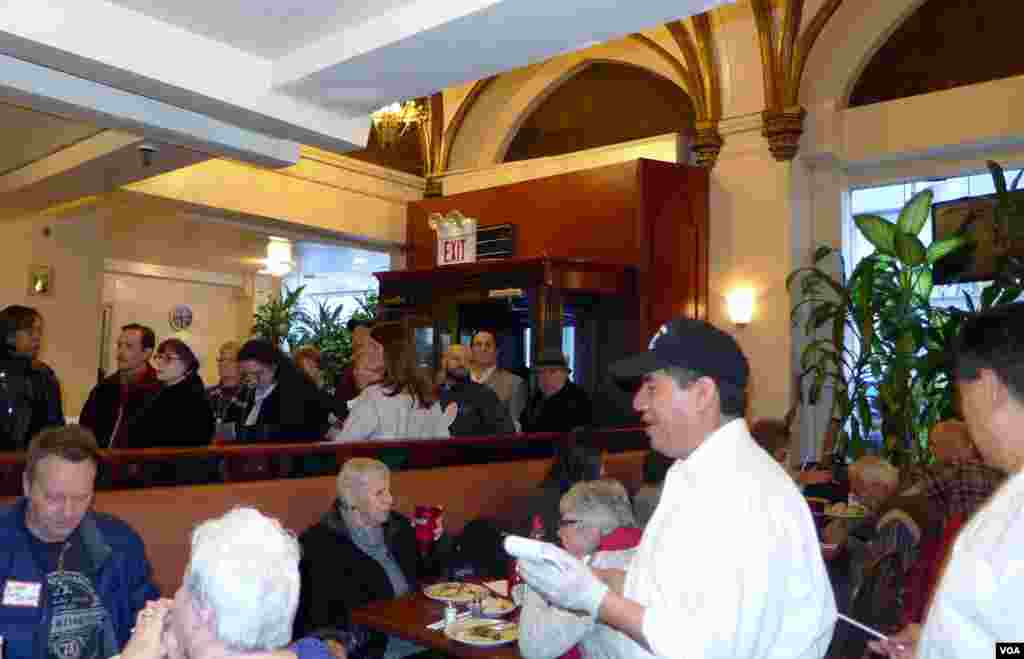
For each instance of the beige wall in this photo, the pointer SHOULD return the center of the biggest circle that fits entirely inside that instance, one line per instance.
(75, 251)
(220, 313)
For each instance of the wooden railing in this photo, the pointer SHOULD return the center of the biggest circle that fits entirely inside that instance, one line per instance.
(133, 468)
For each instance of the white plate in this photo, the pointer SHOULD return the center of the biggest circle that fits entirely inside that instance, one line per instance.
(463, 632)
(454, 591)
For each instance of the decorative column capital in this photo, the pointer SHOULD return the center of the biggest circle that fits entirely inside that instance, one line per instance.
(782, 129)
(707, 143)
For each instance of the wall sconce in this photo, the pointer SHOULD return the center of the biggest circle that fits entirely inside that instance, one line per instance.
(279, 257)
(740, 304)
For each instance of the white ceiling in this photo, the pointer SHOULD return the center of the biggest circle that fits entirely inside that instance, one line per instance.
(28, 136)
(267, 28)
(253, 79)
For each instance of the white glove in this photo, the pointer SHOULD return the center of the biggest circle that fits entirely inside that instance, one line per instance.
(564, 580)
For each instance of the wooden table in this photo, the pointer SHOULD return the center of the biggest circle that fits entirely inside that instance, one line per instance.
(408, 616)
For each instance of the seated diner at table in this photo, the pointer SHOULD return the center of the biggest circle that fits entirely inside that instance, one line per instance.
(597, 521)
(237, 599)
(360, 551)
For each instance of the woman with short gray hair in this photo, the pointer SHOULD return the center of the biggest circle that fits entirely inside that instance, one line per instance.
(360, 551)
(597, 524)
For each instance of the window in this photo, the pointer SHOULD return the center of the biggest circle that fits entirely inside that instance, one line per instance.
(887, 200)
(334, 275)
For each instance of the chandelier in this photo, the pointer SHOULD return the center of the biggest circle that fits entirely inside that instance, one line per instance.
(392, 121)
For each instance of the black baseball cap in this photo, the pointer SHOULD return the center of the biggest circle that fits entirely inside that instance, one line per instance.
(692, 344)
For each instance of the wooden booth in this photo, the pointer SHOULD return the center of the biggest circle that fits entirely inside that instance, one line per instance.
(590, 262)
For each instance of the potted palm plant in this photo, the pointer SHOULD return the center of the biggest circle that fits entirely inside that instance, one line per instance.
(873, 336)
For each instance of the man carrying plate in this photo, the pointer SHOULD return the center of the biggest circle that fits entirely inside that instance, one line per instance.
(729, 565)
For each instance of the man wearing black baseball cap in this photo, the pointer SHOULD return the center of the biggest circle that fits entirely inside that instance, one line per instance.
(729, 564)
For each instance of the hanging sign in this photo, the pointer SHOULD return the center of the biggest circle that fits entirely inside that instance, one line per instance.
(456, 237)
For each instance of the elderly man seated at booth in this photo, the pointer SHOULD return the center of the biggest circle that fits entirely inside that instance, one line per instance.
(597, 522)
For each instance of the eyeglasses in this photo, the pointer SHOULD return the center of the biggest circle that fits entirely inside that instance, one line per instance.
(564, 522)
(166, 358)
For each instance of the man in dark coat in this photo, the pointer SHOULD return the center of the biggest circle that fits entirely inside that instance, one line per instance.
(481, 412)
(116, 402)
(558, 405)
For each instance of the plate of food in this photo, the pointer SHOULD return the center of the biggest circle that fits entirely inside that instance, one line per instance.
(455, 591)
(846, 510)
(495, 607)
(482, 632)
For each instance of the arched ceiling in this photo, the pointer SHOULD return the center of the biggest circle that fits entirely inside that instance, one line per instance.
(605, 103)
(942, 45)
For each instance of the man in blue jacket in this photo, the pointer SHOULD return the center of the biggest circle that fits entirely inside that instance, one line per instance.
(72, 580)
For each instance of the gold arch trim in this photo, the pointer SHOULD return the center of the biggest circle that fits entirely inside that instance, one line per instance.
(450, 132)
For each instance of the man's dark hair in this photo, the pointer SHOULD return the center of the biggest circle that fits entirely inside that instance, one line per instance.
(262, 351)
(73, 443)
(732, 399)
(354, 322)
(148, 337)
(488, 330)
(574, 462)
(993, 339)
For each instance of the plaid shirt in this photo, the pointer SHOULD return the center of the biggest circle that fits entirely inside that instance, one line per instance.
(960, 487)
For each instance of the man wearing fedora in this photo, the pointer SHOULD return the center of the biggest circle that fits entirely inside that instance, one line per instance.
(558, 405)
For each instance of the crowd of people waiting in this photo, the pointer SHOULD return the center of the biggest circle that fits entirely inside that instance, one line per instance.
(157, 399)
(733, 561)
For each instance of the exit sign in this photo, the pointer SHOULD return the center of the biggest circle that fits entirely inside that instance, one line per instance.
(460, 248)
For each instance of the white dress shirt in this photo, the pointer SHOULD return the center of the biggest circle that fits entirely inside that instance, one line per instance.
(977, 602)
(730, 566)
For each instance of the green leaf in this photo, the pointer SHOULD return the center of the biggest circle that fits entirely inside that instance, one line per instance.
(923, 284)
(824, 251)
(1009, 294)
(909, 249)
(914, 213)
(943, 248)
(989, 295)
(879, 232)
(998, 177)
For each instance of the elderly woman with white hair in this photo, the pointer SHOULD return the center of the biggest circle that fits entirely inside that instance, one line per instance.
(237, 599)
(597, 525)
(361, 551)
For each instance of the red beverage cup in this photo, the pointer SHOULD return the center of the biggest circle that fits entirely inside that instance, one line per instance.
(426, 519)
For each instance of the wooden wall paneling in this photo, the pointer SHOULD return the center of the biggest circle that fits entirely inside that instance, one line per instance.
(586, 214)
(675, 210)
